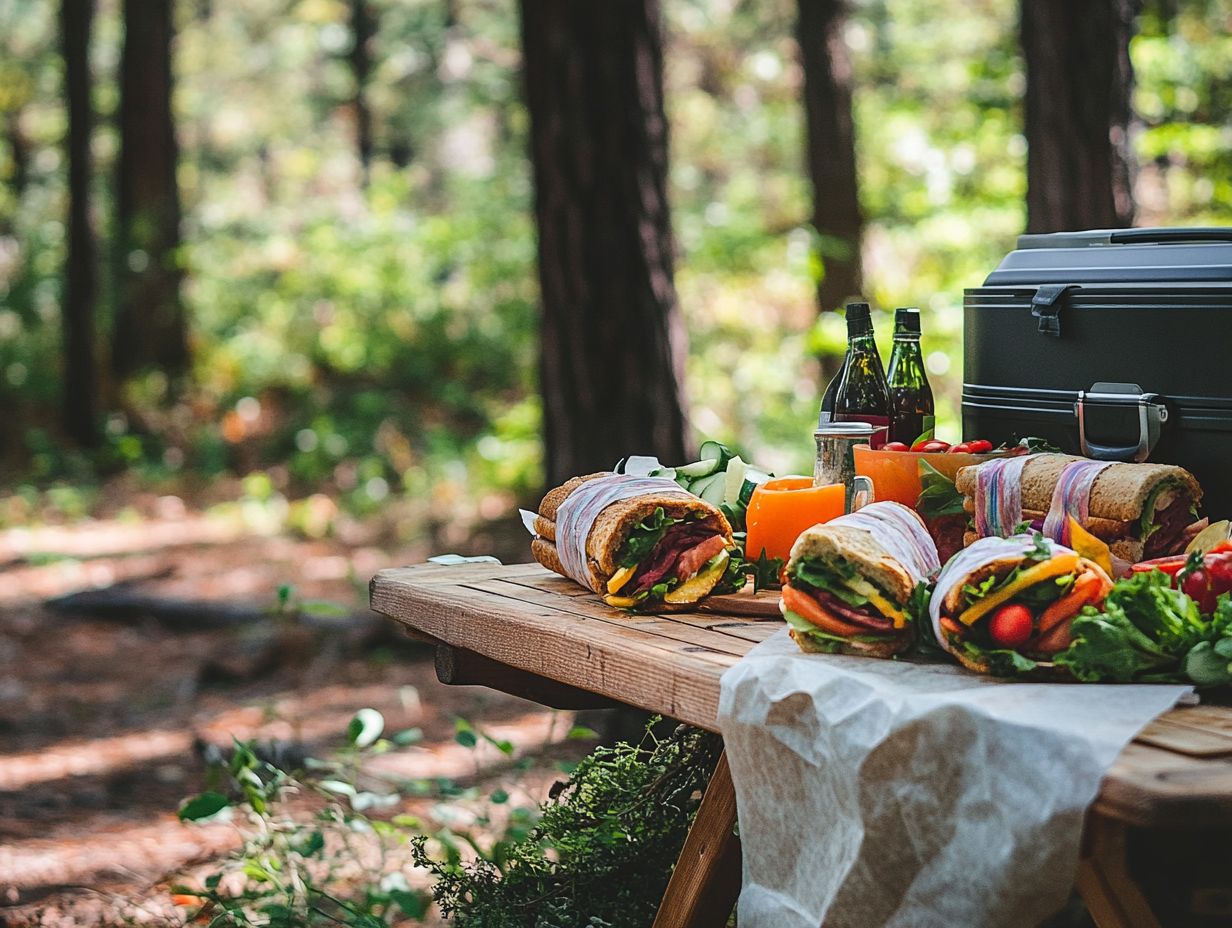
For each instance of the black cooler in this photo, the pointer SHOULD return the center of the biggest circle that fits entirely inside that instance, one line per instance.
(1114, 344)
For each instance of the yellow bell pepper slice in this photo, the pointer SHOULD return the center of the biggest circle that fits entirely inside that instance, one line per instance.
(1053, 567)
(698, 586)
(620, 578)
(1088, 546)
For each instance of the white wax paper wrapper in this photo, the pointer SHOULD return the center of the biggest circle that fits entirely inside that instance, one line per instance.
(877, 792)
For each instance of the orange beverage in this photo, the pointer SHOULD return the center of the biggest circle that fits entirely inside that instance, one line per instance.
(781, 509)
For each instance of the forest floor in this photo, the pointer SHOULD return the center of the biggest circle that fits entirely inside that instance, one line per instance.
(107, 714)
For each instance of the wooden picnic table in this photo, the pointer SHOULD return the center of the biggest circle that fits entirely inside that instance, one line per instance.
(1156, 842)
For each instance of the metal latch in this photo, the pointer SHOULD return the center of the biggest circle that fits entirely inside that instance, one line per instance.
(1152, 414)
(1046, 307)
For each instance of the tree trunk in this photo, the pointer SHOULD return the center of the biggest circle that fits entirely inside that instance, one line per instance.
(150, 329)
(831, 151)
(612, 339)
(363, 29)
(1079, 80)
(80, 276)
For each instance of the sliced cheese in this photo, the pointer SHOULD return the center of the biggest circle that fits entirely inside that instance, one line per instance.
(1053, 567)
(1088, 546)
(702, 583)
(878, 599)
(620, 578)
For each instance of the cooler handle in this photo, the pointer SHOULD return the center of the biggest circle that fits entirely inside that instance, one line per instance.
(1169, 236)
(1151, 416)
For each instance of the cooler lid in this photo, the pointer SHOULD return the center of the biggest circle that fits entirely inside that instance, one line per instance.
(1118, 256)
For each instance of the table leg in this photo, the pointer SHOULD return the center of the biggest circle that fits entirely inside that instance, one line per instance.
(706, 882)
(1112, 896)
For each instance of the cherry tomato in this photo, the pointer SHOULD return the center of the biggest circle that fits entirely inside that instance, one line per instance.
(932, 446)
(980, 446)
(1011, 626)
(895, 446)
(963, 447)
(921, 443)
(1197, 586)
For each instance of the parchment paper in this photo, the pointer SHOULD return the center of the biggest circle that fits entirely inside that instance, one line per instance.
(876, 792)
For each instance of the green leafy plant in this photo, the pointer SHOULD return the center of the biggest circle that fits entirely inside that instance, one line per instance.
(602, 851)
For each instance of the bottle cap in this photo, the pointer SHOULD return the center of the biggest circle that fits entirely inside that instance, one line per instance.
(859, 319)
(907, 321)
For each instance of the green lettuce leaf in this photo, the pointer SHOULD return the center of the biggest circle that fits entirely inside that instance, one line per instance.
(826, 640)
(938, 495)
(828, 576)
(644, 537)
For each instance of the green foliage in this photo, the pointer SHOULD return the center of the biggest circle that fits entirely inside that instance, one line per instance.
(602, 851)
(598, 852)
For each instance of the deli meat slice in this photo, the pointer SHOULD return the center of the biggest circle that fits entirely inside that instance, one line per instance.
(833, 604)
(692, 560)
(662, 560)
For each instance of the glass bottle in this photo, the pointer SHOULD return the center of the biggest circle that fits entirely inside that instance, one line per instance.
(863, 394)
(911, 398)
(854, 311)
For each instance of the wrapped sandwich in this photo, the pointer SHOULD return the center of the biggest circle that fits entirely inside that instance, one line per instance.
(1003, 604)
(642, 543)
(1138, 510)
(849, 581)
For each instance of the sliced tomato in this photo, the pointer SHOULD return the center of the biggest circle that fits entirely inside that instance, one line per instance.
(809, 609)
(1085, 591)
(691, 561)
(1170, 565)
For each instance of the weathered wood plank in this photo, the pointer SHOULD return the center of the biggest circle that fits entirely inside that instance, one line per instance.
(652, 673)
(706, 881)
(460, 667)
(1183, 738)
(678, 626)
(1152, 787)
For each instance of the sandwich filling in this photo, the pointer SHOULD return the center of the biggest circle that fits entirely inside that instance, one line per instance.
(827, 600)
(846, 579)
(1003, 599)
(674, 560)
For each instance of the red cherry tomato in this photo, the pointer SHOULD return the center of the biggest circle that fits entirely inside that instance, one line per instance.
(1011, 626)
(980, 446)
(895, 446)
(932, 446)
(921, 443)
(963, 447)
(1197, 586)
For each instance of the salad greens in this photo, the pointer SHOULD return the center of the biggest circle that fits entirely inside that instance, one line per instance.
(938, 494)
(1150, 632)
(822, 638)
(645, 535)
(829, 576)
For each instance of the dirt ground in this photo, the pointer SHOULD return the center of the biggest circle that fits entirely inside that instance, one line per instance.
(108, 706)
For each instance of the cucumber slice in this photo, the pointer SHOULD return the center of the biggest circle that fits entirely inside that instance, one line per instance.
(703, 468)
(753, 478)
(714, 451)
(735, 480)
(710, 488)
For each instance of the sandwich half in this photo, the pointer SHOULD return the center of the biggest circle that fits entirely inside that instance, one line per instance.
(849, 582)
(1005, 605)
(1139, 510)
(642, 543)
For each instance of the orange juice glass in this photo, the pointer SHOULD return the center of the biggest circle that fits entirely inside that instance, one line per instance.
(781, 509)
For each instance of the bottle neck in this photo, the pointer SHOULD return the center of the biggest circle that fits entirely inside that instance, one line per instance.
(861, 342)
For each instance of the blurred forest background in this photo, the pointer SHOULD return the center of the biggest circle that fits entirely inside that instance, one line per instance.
(305, 272)
(295, 290)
